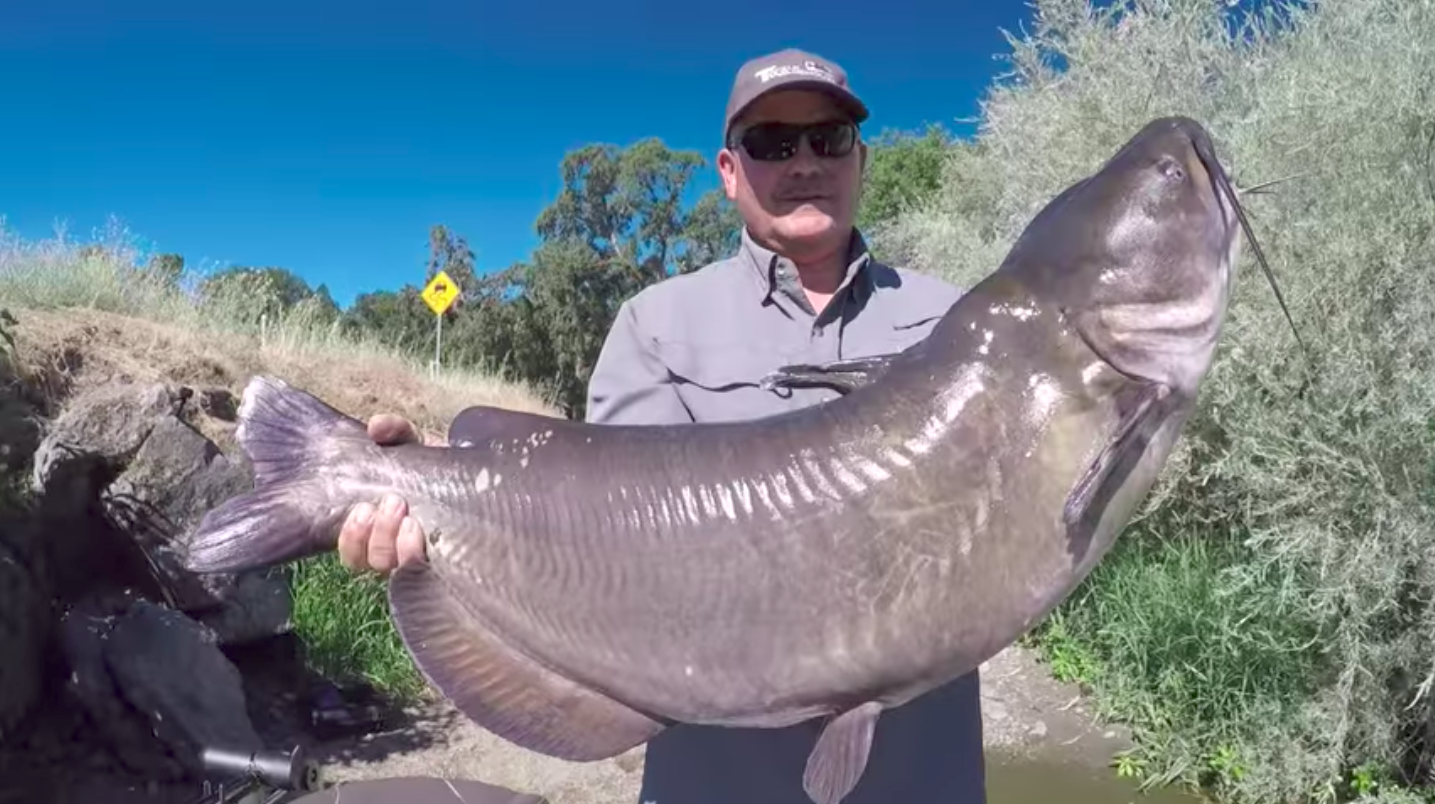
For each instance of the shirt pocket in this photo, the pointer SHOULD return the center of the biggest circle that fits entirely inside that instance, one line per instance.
(890, 335)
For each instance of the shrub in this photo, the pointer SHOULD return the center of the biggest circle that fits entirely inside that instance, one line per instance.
(1266, 626)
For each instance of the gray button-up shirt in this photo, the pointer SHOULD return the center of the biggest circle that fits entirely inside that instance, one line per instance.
(693, 348)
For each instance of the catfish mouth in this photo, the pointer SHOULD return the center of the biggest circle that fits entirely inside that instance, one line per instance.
(1163, 323)
(1226, 194)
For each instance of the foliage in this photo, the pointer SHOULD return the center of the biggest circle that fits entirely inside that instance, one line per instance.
(449, 252)
(1266, 627)
(904, 171)
(259, 295)
(399, 318)
(617, 226)
(166, 268)
(342, 621)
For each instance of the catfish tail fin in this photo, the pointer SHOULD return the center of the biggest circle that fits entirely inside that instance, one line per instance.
(292, 439)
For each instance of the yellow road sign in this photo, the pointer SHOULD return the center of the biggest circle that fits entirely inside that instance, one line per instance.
(440, 292)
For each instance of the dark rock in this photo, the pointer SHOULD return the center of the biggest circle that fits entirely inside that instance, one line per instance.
(125, 479)
(174, 479)
(84, 634)
(22, 630)
(218, 403)
(130, 683)
(20, 432)
(170, 669)
(256, 605)
(180, 474)
(107, 426)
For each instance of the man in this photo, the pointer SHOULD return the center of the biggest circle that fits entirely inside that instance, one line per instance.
(801, 289)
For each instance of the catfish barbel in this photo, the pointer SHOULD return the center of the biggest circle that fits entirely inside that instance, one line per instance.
(589, 585)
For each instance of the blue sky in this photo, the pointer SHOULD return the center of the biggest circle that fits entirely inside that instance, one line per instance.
(327, 137)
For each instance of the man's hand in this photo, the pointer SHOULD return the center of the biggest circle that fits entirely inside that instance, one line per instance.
(381, 536)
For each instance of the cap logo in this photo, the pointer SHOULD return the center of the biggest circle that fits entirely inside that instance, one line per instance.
(808, 68)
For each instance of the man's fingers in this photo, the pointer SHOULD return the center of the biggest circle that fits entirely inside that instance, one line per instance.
(411, 542)
(354, 537)
(383, 541)
(389, 428)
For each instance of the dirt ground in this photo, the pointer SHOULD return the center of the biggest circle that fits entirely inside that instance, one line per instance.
(1024, 711)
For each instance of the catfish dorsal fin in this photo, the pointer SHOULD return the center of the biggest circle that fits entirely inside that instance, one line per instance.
(280, 426)
(499, 688)
(480, 424)
(840, 756)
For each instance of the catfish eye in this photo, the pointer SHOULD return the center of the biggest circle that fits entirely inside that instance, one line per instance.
(1171, 169)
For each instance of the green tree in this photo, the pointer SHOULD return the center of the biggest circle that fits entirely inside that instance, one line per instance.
(711, 231)
(398, 318)
(619, 224)
(626, 205)
(904, 170)
(250, 293)
(449, 252)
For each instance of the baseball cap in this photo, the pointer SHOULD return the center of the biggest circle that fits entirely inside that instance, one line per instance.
(790, 69)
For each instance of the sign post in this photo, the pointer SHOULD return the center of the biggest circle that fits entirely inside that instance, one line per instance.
(439, 295)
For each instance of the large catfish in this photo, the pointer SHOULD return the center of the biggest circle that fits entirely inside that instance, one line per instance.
(589, 585)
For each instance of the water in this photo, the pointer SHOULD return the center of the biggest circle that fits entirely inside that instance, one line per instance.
(1028, 780)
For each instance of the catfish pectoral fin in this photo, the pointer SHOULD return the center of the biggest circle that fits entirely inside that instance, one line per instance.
(842, 375)
(840, 756)
(501, 690)
(1113, 464)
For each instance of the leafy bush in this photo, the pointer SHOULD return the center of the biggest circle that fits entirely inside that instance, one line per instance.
(1267, 625)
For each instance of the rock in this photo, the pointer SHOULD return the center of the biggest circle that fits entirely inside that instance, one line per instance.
(258, 605)
(218, 403)
(175, 477)
(125, 478)
(170, 669)
(84, 633)
(22, 629)
(180, 474)
(20, 432)
(107, 425)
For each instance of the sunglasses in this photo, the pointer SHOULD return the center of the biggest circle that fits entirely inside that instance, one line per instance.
(775, 142)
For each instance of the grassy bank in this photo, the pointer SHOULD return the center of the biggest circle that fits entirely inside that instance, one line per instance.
(1267, 627)
(158, 327)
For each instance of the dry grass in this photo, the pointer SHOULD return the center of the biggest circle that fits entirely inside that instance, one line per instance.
(90, 318)
(84, 348)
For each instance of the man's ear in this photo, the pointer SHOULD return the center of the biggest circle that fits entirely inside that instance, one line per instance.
(862, 153)
(727, 171)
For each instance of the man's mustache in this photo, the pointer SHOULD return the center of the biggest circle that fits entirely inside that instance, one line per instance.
(804, 193)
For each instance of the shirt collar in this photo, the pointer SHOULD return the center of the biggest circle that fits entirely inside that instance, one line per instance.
(777, 274)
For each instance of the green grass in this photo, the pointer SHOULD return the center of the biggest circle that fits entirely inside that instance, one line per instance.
(1267, 628)
(343, 622)
(1172, 637)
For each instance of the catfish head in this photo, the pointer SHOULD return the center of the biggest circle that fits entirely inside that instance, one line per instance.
(1140, 256)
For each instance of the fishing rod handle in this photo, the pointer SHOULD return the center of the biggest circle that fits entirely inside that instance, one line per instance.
(291, 771)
